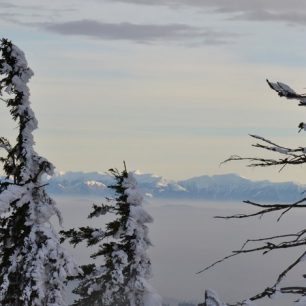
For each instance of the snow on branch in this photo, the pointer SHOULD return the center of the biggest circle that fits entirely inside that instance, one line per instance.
(294, 156)
(286, 91)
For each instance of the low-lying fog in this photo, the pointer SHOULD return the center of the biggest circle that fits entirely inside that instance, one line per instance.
(187, 238)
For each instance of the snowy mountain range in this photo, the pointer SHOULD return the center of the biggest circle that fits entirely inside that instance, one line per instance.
(216, 187)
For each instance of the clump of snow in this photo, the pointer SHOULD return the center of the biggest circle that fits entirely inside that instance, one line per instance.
(98, 233)
(281, 150)
(282, 89)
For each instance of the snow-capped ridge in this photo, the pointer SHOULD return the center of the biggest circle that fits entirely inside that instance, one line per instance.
(229, 186)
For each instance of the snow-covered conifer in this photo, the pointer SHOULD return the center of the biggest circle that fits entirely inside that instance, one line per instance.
(33, 264)
(123, 279)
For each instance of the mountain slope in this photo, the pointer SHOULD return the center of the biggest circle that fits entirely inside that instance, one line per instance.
(216, 187)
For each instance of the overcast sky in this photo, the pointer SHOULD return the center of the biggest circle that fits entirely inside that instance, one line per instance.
(173, 87)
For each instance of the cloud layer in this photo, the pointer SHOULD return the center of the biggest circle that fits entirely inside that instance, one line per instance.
(142, 33)
(293, 11)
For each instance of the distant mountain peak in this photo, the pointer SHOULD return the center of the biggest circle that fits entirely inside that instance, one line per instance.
(219, 187)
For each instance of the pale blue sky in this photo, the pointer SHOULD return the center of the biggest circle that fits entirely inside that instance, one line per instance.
(171, 86)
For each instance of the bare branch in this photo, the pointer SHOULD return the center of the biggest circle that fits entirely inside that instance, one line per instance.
(285, 272)
(289, 156)
(216, 262)
(268, 292)
(267, 208)
(268, 246)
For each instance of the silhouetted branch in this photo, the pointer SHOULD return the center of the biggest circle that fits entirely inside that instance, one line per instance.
(290, 156)
(267, 208)
(293, 156)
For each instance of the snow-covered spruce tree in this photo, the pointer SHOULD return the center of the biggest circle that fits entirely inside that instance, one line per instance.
(33, 264)
(290, 156)
(122, 280)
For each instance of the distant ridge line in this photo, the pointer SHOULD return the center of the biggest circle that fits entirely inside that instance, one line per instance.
(216, 187)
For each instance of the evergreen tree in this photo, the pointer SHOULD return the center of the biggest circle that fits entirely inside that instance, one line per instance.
(123, 277)
(33, 264)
